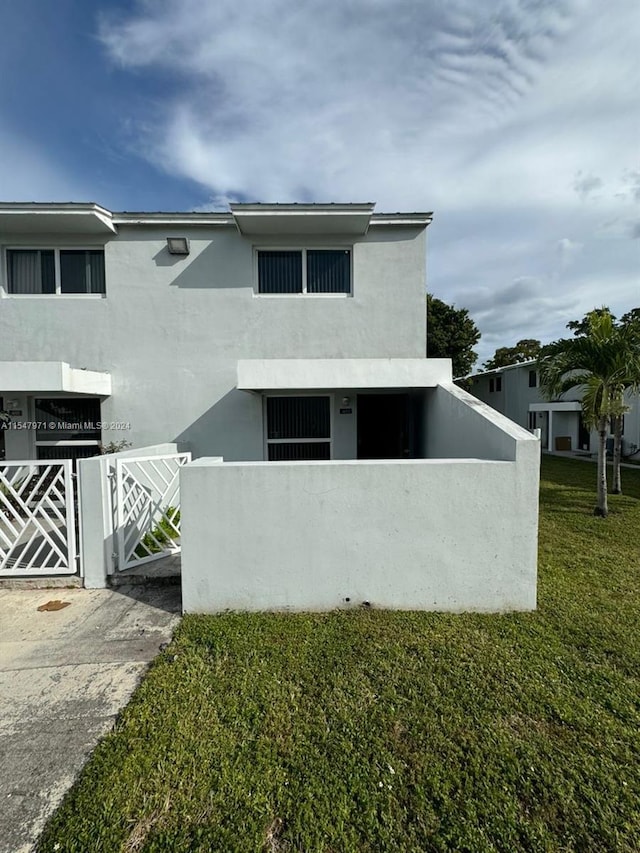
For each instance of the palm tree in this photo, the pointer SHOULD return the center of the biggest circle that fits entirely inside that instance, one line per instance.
(629, 330)
(602, 361)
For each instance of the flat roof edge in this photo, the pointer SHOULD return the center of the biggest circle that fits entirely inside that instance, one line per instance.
(217, 217)
(53, 207)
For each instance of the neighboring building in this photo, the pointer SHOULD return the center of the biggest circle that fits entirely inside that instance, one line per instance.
(288, 342)
(513, 390)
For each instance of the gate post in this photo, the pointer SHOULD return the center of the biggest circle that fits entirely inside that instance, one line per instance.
(96, 534)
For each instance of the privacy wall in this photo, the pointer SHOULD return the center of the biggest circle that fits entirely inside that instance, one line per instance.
(411, 534)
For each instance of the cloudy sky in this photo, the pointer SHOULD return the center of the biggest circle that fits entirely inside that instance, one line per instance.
(516, 121)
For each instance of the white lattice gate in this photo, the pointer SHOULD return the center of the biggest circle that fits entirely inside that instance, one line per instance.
(37, 518)
(147, 504)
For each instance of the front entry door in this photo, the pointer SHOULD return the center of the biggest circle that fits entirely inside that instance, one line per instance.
(384, 426)
(584, 436)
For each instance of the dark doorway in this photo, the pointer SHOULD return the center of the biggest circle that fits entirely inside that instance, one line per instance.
(584, 436)
(385, 426)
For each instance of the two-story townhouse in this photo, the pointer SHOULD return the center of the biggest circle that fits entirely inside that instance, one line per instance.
(136, 323)
(514, 391)
(284, 346)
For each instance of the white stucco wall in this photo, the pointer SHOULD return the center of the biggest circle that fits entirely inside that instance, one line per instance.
(416, 534)
(455, 532)
(458, 425)
(566, 425)
(362, 373)
(171, 329)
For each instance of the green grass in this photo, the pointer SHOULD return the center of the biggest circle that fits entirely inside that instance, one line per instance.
(381, 731)
(163, 534)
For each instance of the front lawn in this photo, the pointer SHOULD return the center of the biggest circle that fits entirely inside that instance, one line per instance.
(381, 731)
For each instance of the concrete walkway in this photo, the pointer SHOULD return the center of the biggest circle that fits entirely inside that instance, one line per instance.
(64, 676)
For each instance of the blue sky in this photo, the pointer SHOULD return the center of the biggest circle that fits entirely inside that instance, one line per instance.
(516, 122)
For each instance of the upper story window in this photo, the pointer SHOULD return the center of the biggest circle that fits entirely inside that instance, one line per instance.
(55, 271)
(533, 379)
(304, 271)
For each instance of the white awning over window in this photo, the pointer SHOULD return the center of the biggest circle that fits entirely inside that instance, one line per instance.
(262, 219)
(558, 406)
(68, 219)
(325, 373)
(40, 377)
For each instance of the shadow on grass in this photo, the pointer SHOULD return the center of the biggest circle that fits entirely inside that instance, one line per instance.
(568, 485)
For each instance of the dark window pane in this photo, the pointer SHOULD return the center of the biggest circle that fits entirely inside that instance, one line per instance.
(68, 451)
(48, 271)
(96, 270)
(533, 379)
(68, 419)
(298, 417)
(73, 272)
(285, 452)
(328, 271)
(280, 272)
(24, 271)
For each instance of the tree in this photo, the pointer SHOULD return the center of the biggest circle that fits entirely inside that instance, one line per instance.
(524, 350)
(602, 358)
(451, 333)
(582, 327)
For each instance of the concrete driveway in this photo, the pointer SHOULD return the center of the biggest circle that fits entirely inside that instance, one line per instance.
(64, 676)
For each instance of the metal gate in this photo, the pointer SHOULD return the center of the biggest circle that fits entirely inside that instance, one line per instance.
(147, 504)
(37, 518)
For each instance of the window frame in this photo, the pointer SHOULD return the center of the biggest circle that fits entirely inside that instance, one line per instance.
(265, 426)
(5, 293)
(303, 250)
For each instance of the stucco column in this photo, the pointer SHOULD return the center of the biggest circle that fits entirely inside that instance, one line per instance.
(550, 432)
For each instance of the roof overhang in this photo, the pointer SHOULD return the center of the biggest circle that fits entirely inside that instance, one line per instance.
(52, 377)
(36, 218)
(306, 374)
(532, 362)
(559, 406)
(290, 219)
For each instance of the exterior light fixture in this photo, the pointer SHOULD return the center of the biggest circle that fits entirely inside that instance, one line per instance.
(178, 245)
(346, 401)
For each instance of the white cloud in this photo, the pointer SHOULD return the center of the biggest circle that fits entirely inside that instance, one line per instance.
(514, 121)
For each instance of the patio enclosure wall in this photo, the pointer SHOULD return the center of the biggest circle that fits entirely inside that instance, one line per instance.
(432, 534)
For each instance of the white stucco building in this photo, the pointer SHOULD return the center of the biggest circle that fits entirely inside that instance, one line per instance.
(513, 390)
(284, 346)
